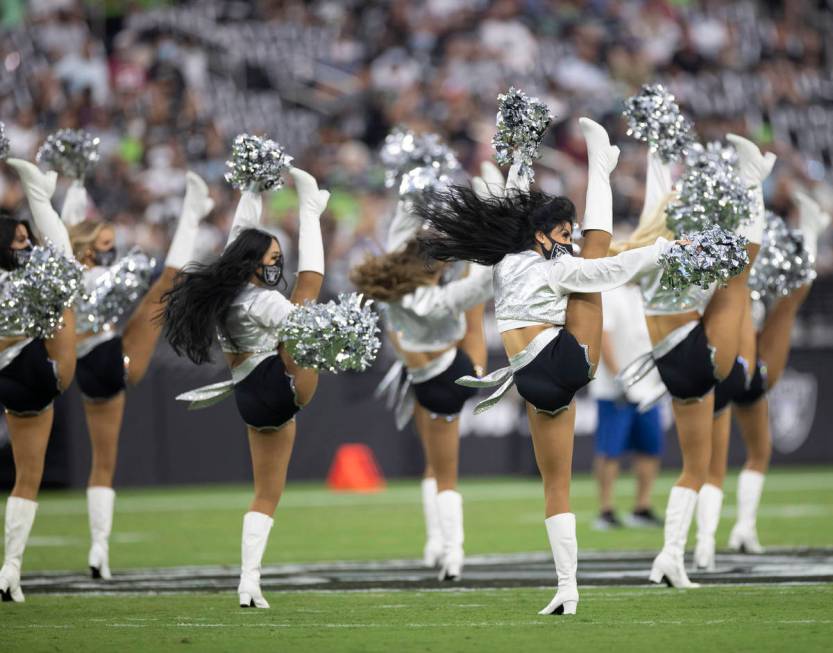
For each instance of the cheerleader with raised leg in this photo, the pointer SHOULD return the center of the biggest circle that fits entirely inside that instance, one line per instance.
(427, 324)
(403, 229)
(696, 342)
(33, 370)
(236, 298)
(548, 310)
(109, 359)
(745, 398)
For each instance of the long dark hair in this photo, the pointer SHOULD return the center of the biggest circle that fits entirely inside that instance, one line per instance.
(391, 276)
(462, 226)
(198, 304)
(8, 229)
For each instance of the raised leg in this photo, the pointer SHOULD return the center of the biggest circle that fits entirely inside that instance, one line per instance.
(61, 349)
(774, 339)
(143, 327)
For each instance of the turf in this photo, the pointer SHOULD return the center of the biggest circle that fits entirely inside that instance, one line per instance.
(163, 527)
(761, 618)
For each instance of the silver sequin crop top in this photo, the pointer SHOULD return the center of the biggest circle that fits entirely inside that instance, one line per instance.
(530, 289)
(253, 320)
(432, 318)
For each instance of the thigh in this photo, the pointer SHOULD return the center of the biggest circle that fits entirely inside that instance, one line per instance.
(552, 440)
(104, 419)
(270, 452)
(61, 350)
(304, 379)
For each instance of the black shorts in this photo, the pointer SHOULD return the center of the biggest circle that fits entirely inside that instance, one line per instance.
(101, 373)
(757, 387)
(28, 385)
(441, 395)
(729, 389)
(266, 398)
(556, 374)
(688, 369)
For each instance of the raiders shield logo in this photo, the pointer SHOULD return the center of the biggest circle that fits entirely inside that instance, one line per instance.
(792, 407)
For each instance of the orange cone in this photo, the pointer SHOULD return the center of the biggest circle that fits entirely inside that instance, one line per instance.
(354, 469)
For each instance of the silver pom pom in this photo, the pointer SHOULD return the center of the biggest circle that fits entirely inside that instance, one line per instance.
(33, 298)
(114, 292)
(710, 192)
(418, 180)
(521, 123)
(654, 117)
(4, 143)
(404, 151)
(256, 164)
(69, 152)
(782, 265)
(335, 337)
(714, 256)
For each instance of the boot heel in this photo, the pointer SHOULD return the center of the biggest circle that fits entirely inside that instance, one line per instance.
(246, 601)
(569, 607)
(656, 575)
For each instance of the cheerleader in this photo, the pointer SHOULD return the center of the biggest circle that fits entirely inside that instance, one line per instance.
(745, 397)
(33, 372)
(236, 297)
(403, 228)
(427, 323)
(548, 310)
(696, 341)
(110, 360)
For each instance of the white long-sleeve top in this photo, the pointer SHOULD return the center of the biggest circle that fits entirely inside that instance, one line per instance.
(432, 318)
(531, 290)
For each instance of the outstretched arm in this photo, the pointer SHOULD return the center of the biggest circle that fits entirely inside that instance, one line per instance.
(570, 274)
(247, 215)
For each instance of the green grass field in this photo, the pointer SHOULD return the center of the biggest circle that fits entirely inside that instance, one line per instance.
(167, 527)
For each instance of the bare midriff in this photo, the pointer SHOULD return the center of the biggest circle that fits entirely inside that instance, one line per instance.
(659, 326)
(5, 343)
(414, 359)
(237, 358)
(516, 340)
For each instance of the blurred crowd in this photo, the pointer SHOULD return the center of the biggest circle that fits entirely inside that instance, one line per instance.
(166, 86)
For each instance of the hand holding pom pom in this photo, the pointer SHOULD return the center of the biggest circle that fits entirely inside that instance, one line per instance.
(654, 117)
(256, 164)
(70, 152)
(332, 337)
(711, 256)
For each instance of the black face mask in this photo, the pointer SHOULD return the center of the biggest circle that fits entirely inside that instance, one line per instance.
(21, 256)
(557, 249)
(271, 275)
(105, 258)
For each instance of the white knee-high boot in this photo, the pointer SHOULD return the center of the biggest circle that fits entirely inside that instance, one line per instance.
(256, 527)
(20, 515)
(450, 510)
(561, 531)
(812, 220)
(601, 160)
(434, 548)
(744, 536)
(100, 501)
(669, 564)
(709, 503)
